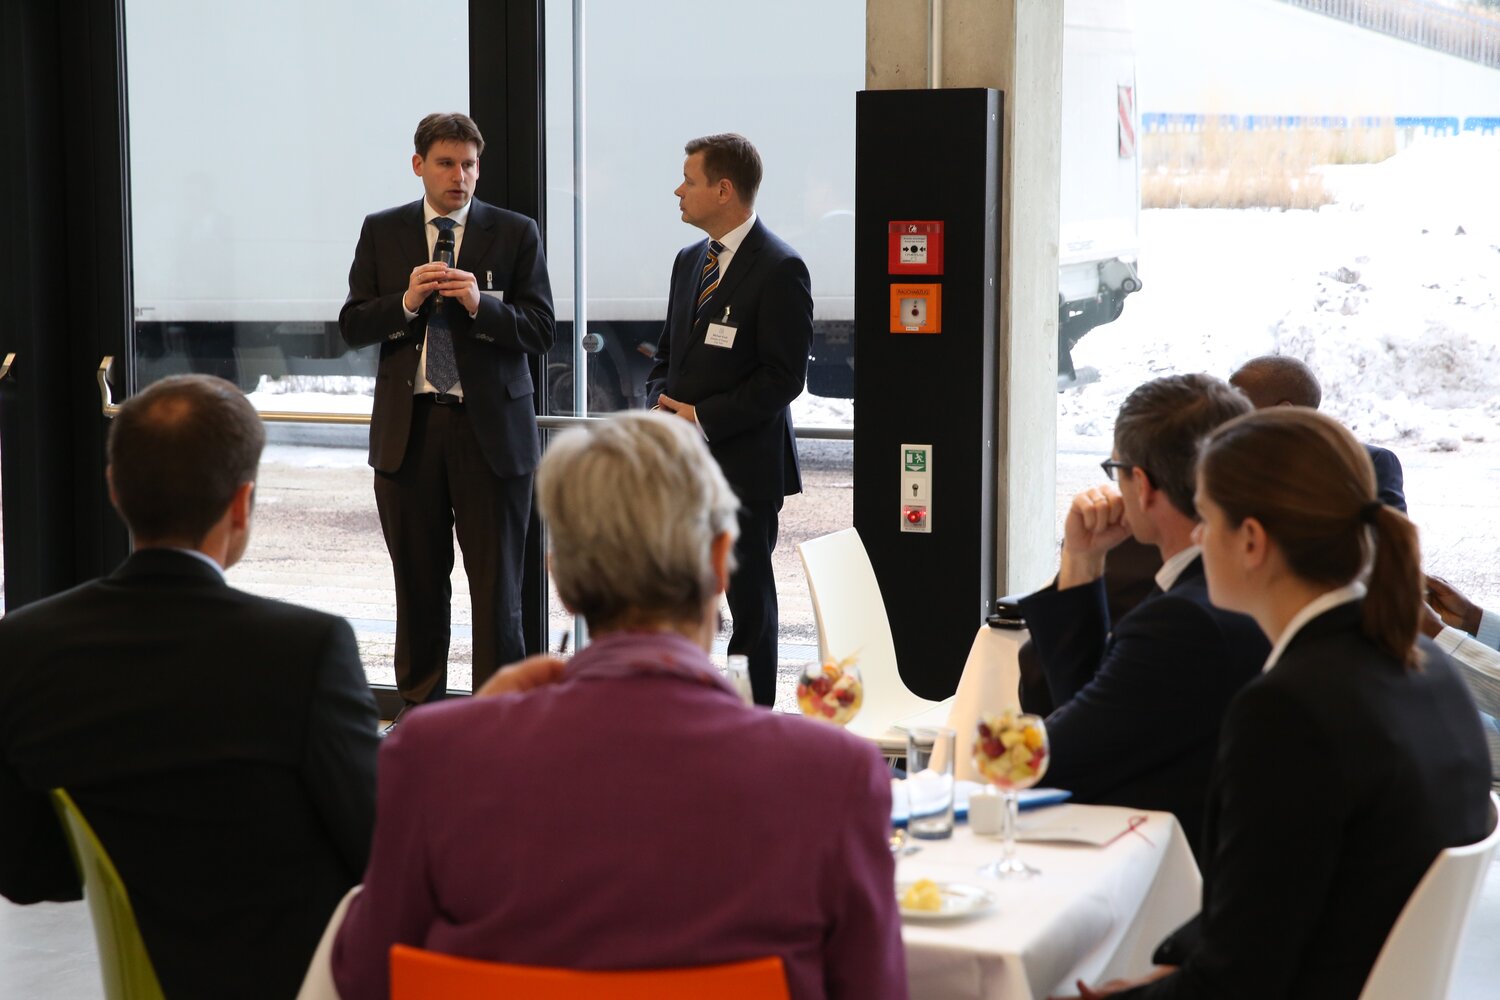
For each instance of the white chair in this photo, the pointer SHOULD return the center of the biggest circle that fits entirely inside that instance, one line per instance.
(852, 622)
(1416, 962)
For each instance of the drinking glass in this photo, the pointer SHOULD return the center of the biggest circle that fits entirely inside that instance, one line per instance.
(831, 691)
(929, 783)
(1011, 753)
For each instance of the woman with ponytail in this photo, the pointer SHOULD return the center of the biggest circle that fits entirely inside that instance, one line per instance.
(1353, 759)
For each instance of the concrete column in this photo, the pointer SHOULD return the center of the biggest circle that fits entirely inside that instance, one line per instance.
(1014, 46)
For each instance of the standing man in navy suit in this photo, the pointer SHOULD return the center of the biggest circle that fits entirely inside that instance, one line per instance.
(732, 357)
(453, 436)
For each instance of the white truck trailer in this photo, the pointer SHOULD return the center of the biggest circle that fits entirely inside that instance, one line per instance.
(242, 253)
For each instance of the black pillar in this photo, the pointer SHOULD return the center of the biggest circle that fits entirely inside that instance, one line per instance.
(926, 157)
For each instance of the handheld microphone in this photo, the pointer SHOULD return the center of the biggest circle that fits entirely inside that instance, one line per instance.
(443, 251)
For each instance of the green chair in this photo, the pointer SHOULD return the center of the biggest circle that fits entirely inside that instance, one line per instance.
(123, 961)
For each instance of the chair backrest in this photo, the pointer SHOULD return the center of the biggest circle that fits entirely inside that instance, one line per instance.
(1416, 962)
(425, 975)
(123, 960)
(852, 621)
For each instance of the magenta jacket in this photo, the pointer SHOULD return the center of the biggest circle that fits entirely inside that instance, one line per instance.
(636, 815)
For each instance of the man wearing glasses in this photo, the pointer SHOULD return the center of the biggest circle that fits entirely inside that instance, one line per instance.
(1138, 702)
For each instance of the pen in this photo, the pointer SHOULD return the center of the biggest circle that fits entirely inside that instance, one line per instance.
(562, 645)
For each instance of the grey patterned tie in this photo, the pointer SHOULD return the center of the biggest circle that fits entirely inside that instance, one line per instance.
(442, 366)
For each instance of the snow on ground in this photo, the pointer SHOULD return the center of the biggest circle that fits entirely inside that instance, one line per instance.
(1390, 295)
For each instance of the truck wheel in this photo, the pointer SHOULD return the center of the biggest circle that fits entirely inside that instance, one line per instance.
(604, 394)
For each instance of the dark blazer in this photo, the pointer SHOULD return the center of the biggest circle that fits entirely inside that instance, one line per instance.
(222, 746)
(742, 392)
(503, 251)
(1129, 578)
(1138, 710)
(1389, 482)
(1339, 778)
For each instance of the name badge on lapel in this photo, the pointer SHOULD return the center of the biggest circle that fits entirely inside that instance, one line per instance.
(721, 334)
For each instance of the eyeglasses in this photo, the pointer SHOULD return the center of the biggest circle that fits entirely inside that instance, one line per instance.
(1109, 466)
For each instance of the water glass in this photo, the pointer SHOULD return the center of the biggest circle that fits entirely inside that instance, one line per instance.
(929, 783)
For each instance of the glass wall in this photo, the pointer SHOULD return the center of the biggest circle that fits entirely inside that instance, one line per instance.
(260, 137)
(1313, 188)
(784, 76)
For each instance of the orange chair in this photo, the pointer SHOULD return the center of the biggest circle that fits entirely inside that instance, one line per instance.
(425, 975)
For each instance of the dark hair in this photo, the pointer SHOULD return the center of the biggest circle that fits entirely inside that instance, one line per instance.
(1273, 379)
(1161, 423)
(178, 451)
(731, 155)
(442, 127)
(1310, 484)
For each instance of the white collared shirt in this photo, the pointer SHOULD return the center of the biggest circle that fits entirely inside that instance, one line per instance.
(1172, 568)
(461, 217)
(732, 241)
(1312, 609)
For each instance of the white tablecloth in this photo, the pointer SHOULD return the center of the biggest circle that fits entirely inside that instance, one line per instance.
(1094, 913)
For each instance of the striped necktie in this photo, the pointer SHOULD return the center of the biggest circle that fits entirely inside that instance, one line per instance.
(710, 279)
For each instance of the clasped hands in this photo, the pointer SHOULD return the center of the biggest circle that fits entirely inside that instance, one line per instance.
(449, 282)
(686, 411)
(1095, 524)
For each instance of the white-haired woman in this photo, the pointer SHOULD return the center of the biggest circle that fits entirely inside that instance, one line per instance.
(635, 814)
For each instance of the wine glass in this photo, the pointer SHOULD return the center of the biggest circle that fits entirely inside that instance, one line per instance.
(1011, 752)
(831, 691)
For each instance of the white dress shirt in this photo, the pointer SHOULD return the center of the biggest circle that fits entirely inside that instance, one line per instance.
(1312, 609)
(732, 241)
(461, 217)
(1172, 568)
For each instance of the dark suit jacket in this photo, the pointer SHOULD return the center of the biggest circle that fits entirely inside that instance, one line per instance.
(1339, 778)
(222, 746)
(1129, 578)
(502, 249)
(1138, 710)
(742, 392)
(1389, 482)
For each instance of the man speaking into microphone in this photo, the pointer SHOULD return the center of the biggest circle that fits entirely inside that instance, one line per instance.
(455, 292)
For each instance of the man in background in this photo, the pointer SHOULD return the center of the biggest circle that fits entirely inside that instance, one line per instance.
(1281, 380)
(221, 745)
(453, 437)
(732, 357)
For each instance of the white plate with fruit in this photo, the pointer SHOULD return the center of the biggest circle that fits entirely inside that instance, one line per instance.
(925, 899)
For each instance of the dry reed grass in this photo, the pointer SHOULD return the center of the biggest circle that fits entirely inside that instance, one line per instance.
(1225, 168)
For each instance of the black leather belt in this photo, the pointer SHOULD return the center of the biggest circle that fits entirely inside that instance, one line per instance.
(442, 398)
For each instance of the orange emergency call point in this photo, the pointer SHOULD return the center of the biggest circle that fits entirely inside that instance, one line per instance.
(916, 308)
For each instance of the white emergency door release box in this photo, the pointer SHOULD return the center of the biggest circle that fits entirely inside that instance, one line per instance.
(916, 488)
